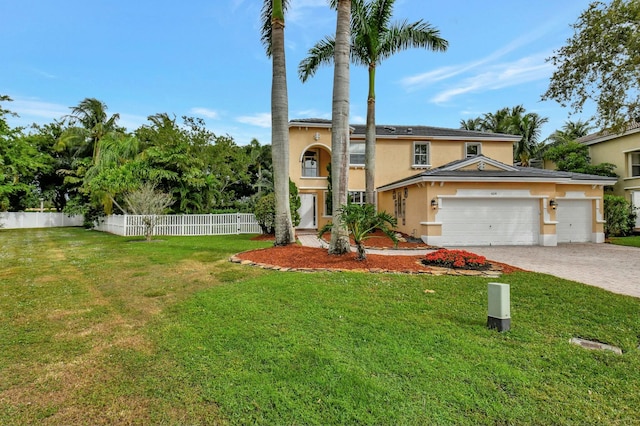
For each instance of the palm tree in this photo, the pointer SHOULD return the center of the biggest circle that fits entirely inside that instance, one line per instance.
(528, 126)
(339, 243)
(373, 39)
(515, 121)
(571, 130)
(91, 115)
(475, 124)
(273, 39)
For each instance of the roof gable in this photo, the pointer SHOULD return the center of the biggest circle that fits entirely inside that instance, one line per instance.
(479, 162)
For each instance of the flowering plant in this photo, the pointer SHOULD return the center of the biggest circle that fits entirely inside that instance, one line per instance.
(456, 259)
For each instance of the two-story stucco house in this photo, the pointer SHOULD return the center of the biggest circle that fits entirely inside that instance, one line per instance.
(451, 187)
(623, 150)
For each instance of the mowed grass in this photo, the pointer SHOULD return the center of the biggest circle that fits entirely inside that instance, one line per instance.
(633, 241)
(99, 329)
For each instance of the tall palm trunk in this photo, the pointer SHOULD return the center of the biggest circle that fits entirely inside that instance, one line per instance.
(285, 233)
(340, 128)
(370, 140)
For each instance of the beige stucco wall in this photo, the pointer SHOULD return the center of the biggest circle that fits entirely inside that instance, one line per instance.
(614, 151)
(420, 216)
(394, 157)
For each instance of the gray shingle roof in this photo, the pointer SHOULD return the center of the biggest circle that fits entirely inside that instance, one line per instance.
(521, 173)
(408, 131)
(604, 135)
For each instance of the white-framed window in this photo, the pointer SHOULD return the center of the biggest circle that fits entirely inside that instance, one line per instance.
(357, 197)
(635, 164)
(421, 154)
(472, 149)
(310, 164)
(356, 153)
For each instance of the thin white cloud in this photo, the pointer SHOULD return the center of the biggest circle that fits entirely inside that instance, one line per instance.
(262, 119)
(43, 73)
(34, 108)
(301, 12)
(205, 112)
(421, 80)
(312, 113)
(499, 76)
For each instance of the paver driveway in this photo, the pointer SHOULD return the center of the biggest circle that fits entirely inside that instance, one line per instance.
(614, 268)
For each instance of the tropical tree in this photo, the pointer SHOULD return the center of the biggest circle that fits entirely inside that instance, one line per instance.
(574, 157)
(515, 121)
(51, 183)
(373, 39)
(90, 123)
(118, 169)
(362, 221)
(528, 147)
(339, 243)
(600, 64)
(20, 164)
(570, 131)
(273, 38)
(183, 161)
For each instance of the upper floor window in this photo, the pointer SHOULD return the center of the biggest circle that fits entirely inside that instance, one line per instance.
(356, 153)
(310, 164)
(635, 164)
(472, 149)
(357, 197)
(421, 154)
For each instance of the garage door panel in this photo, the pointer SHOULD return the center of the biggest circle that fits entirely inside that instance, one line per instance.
(468, 222)
(574, 221)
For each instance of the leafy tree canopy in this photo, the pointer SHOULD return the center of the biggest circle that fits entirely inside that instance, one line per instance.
(574, 157)
(600, 64)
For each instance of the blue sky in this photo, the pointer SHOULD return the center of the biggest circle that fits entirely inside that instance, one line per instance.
(204, 58)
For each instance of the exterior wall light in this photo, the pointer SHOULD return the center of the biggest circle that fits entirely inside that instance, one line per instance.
(553, 204)
(434, 203)
(316, 137)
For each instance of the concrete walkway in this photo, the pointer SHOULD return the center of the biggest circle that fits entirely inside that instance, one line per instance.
(611, 267)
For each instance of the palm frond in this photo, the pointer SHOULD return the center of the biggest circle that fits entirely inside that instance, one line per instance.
(267, 15)
(320, 54)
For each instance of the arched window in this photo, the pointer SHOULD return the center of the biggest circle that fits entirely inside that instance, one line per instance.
(310, 164)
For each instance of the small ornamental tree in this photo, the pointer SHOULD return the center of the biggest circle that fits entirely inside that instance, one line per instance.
(265, 209)
(361, 221)
(619, 216)
(148, 202)
(265, 212)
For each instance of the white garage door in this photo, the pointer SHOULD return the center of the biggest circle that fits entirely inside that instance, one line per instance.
(489, 221)
(574, 221)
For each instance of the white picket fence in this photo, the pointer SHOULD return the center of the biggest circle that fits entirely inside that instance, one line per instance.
(17, 220)
(186, 225)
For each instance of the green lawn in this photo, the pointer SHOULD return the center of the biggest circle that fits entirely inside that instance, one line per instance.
(99, 329)
(633, 241)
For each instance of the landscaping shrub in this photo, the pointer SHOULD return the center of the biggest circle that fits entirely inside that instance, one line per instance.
(459, 259)
(619, 216)
(265, 211)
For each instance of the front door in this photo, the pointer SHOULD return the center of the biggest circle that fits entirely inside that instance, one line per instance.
(308, 209)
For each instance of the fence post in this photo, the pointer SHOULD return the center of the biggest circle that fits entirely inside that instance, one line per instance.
(238, 223)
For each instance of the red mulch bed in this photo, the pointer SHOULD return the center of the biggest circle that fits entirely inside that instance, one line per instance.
(299, 257)
(296, 256)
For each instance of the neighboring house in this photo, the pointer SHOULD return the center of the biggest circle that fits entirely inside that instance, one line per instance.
(451, 187)
(623, 150)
